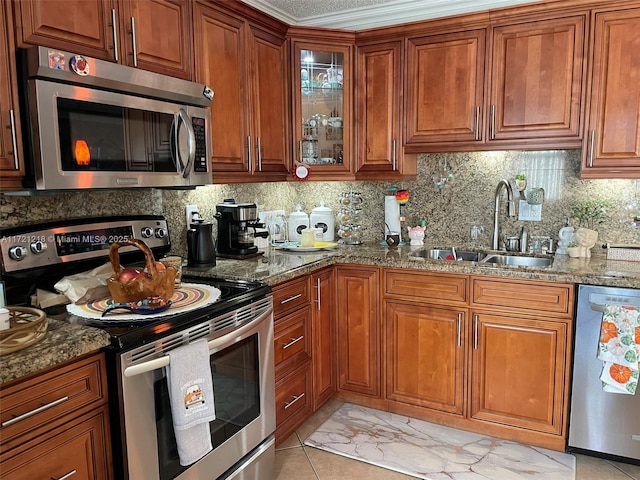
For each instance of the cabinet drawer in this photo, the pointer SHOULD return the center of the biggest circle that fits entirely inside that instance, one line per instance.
(47, 401)
(290, 296)
(419, 285)
(81, 448)
(292, 340)
(293, 396)
(515, 295)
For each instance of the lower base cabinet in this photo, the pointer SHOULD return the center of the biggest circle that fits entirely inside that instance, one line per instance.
(294, 402)
(56, 425)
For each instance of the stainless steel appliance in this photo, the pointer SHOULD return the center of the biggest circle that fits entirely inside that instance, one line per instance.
(602, 422)
(237, 223)
(238, 328)
(95, 124)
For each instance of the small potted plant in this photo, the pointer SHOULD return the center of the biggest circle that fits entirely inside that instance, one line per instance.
(590, 213)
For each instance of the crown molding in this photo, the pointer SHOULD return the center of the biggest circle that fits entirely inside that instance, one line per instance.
(390, 13)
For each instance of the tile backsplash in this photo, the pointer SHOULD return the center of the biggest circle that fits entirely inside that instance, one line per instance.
(450, 212)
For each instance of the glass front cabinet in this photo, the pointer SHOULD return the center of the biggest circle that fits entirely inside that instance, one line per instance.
(322, 111)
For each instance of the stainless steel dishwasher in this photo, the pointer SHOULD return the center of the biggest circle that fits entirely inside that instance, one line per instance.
(607, 423)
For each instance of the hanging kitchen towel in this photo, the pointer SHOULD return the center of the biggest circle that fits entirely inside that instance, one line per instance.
(619, 349)
(191, 398)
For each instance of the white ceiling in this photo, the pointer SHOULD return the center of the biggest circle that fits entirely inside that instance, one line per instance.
(364, 14)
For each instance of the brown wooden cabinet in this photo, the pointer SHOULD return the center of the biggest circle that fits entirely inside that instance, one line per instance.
(519, 371)
(445, 79)
(380, 149)
(323, 313)
(11, 159)
(322, 83)
(124, 31)
(245, 63)
(56, 423)
(531, 95)
(426, 355)
(611, 145)
(359, 336)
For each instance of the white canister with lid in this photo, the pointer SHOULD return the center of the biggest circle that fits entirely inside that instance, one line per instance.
(298, 221)
(322, 217)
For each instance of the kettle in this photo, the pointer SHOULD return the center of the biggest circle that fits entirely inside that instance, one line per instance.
(201, 251)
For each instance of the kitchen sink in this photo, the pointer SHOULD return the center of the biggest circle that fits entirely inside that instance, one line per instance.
(517, 260)
(490, 259)
(447, 254)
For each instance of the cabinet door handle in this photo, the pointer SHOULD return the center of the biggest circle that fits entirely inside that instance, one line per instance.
(492, 124)
(475, 331)
(477, 123)
(318, 292)
(35, 411)
(64, 477)
(593, 134)
(287, 300)
(259, 150)
(295, 399)
(459, 329)
(249, 160)
(292, 342)
(14, 139)
(393, 155)
(133, 42)
(114, 31)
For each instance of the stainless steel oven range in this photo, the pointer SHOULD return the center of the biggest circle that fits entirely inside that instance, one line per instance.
(238, 328)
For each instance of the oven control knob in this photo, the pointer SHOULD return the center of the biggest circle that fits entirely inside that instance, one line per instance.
(38, 247)
(161, 232)
(147, 232)
(17, 253)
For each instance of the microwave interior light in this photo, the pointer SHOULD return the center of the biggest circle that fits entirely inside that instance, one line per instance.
(81, 152)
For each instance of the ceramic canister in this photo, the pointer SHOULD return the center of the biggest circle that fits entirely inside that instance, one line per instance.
(298, 221)
(322, 217)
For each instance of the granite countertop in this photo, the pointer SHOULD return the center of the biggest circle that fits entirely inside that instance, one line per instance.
(277, 266)
(65, 341)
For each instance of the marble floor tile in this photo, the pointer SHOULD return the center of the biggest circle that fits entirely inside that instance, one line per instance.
(434, 452)
(297, 462)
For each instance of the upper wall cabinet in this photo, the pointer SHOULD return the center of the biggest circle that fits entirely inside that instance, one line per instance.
(322, 111)
(612, 136)
(445, 79)
(246, 65)
(530, 97)
(11, 162)
(379, 146)
(124, 31)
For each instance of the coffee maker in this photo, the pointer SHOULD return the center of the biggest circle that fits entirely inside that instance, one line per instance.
(237, 223)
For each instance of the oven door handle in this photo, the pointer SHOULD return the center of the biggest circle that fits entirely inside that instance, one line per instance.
(213, 345)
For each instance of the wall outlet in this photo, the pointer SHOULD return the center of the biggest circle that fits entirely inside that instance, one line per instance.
(189, 211)
(532, 213)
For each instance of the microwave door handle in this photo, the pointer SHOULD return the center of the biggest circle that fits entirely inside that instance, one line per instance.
(173, 149)
(191, 142)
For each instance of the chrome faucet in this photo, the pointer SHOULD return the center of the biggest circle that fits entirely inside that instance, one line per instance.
(511, 209)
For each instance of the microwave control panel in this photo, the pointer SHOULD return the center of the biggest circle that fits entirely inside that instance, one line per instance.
(200, 162)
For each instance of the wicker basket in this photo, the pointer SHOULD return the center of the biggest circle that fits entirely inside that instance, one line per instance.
(27, 326)
(154, 283)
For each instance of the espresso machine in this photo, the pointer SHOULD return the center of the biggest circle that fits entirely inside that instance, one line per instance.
(237, 223)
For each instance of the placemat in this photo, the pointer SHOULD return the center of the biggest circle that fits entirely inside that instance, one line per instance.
(186, 298)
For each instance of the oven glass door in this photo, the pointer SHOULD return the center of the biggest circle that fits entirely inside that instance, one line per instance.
(236, 390)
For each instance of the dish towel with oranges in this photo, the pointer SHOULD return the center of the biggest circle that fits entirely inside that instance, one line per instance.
(619, 349)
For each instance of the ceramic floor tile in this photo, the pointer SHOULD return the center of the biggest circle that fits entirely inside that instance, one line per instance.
(329, 466)
(632, 470)
(292, 463)
(592, 468)
(290, 442)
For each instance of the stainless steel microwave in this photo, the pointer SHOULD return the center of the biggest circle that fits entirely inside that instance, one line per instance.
(94, 124)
